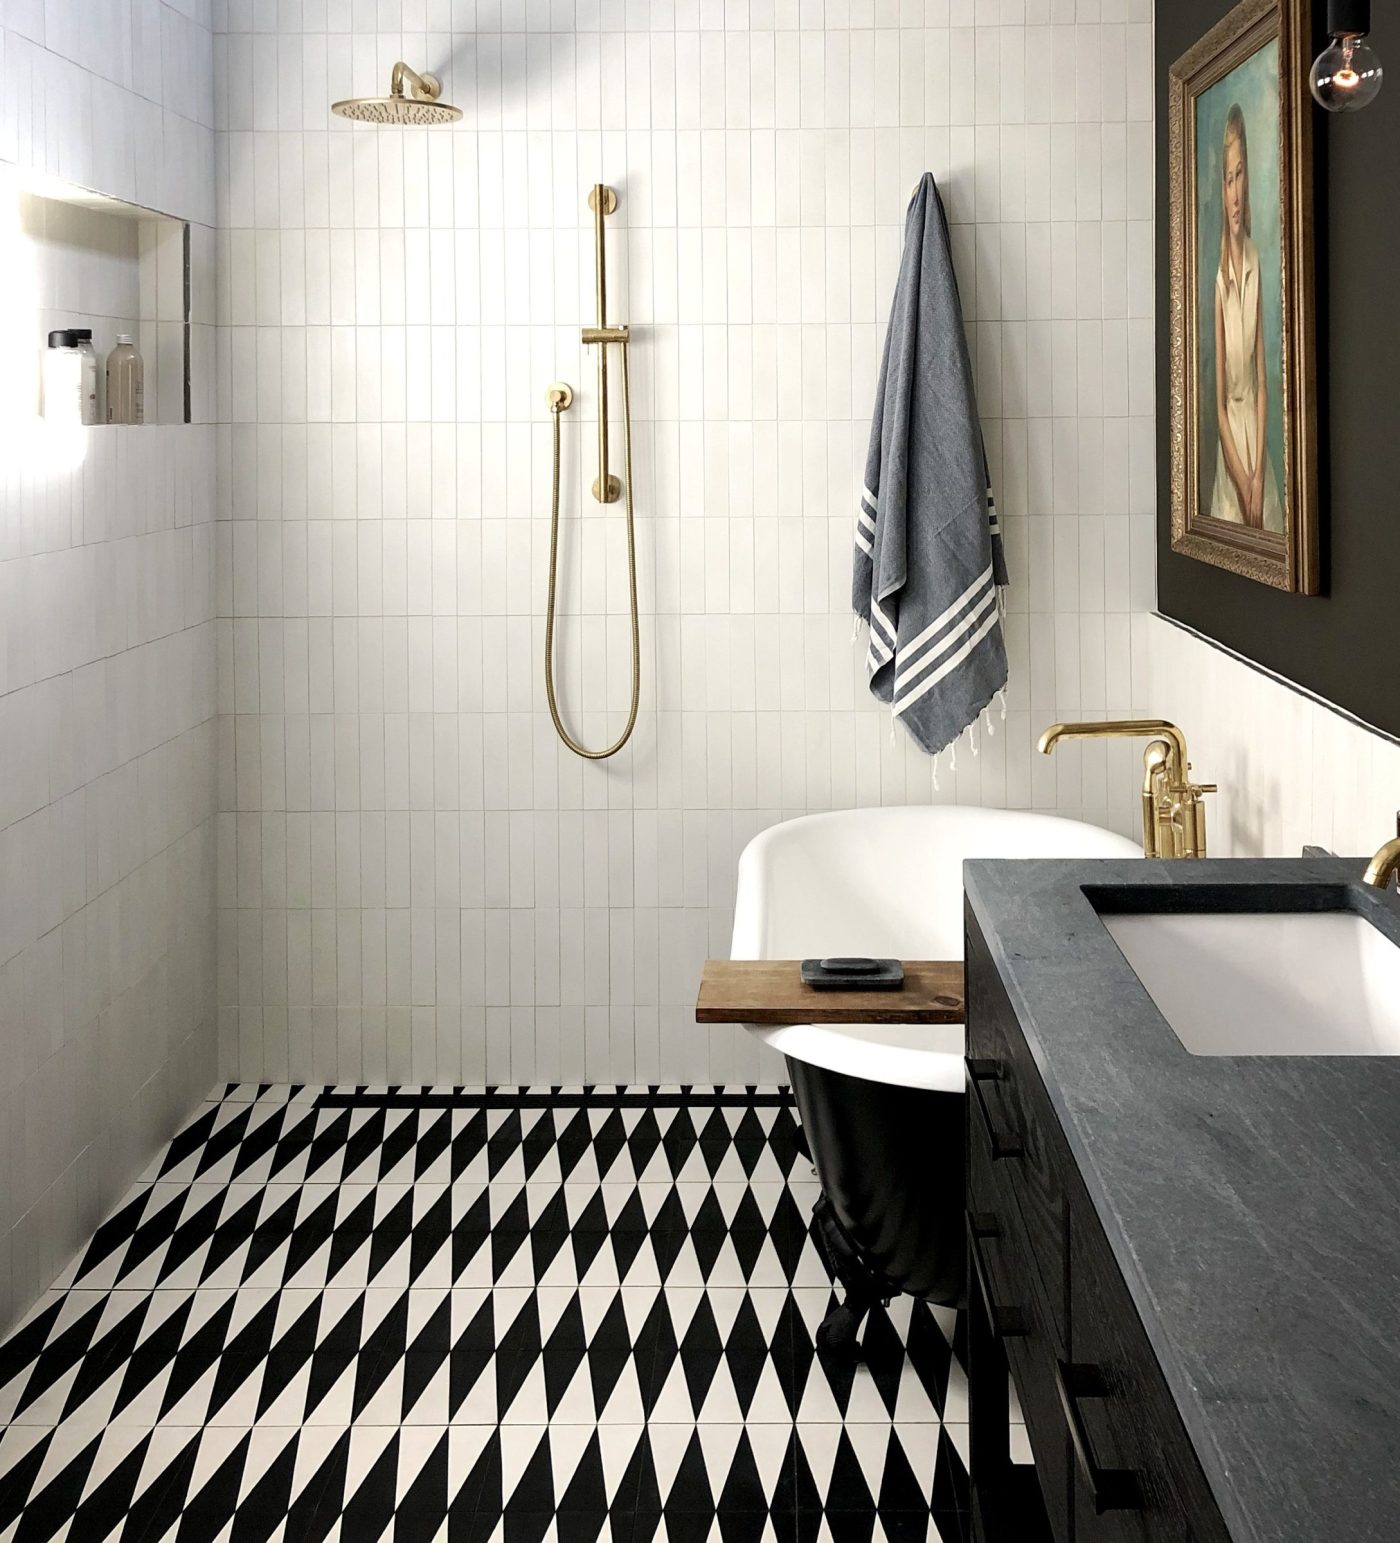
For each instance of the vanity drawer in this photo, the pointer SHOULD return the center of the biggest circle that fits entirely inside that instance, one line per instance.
(1007, 1107)
(1137, 1478)
(1003, 1274)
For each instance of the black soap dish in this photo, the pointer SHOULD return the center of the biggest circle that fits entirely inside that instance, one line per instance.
(853, 974)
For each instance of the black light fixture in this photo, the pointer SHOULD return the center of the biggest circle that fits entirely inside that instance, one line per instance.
(1346, 75)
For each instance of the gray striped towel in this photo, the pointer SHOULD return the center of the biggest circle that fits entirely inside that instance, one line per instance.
(929, 563)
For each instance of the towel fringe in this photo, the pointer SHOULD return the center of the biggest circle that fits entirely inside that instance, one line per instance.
(991, 727)
(855, 629)
(972, 735)
(953, 758)
(1001, 697)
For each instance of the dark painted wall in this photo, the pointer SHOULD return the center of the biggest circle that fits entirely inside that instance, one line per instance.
(1345, 643)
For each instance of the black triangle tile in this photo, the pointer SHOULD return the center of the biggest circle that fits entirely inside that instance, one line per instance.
(383, 1350)
(432, 1143)
(316, 1510)
(471, 1355)
(17, 1484)
(701, 1353)
(517, 1354)
(422, 1509)
(690, 1506)
(609, 1353)
(196, 1356)
(746, 1351)
(656, 1351)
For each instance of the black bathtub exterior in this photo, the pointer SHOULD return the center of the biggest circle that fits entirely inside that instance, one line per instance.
(890, 1161)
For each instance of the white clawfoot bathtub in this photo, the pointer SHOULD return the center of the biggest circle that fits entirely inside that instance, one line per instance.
(882, 1105)
(886, 883)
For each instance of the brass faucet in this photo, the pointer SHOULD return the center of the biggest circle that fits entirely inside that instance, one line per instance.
(1384, 865)
(1173, 815)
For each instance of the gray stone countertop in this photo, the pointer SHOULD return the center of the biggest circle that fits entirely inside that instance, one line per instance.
(1252, 1202)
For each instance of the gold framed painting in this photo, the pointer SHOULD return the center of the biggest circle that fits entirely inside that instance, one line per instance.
(1243, 420)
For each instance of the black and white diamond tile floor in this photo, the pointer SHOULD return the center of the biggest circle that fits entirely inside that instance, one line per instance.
(439, 1316)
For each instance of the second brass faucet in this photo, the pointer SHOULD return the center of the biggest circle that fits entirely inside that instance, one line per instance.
(1173, 814)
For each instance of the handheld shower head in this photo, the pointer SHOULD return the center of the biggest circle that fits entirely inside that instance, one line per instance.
(420, 109)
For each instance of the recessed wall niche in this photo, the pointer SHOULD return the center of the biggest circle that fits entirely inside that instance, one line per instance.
(115, 267)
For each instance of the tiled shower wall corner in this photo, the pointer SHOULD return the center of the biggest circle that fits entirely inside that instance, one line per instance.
(107, 698)
(417, 882)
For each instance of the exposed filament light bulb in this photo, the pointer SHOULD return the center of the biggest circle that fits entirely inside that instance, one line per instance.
(1347, 74)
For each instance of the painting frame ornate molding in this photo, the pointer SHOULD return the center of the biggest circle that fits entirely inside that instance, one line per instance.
(1289, 560)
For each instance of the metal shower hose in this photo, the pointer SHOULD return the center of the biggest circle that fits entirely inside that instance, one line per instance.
(556, 408)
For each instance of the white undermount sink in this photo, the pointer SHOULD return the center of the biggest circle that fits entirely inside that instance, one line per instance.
(1281, 983)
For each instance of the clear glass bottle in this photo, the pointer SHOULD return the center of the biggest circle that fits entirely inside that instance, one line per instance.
(125, 383)
(91, 373)
(63, 379)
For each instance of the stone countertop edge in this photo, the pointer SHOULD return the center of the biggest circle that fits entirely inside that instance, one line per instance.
(1275, 1460)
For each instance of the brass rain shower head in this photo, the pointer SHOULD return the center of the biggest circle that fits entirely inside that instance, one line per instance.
(418, 108)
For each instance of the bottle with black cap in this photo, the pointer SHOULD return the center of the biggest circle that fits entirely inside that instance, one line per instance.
(63, 379)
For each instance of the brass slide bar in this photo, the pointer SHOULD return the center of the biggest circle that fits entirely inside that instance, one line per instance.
(603, 201)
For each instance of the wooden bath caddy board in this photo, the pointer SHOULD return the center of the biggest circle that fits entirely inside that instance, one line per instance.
(770, 991)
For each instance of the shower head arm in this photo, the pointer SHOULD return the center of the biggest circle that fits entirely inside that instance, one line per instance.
(426, 88)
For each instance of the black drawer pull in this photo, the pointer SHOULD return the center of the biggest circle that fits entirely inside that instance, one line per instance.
(1110, 1489)
(1005, 1322)
(978, 1072)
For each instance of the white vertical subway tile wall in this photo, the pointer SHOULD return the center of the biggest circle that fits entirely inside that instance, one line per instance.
(416, 881)
(107, 657)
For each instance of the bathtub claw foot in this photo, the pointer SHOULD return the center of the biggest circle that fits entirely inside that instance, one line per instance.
(836, 1334)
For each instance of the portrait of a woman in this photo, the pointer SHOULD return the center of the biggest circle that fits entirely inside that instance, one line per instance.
(1246, 487)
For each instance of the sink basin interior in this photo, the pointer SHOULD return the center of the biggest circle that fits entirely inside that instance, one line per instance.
(1268, 983)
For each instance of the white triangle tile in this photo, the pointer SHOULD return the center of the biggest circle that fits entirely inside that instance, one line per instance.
(673, 1404)
(617, 1442)
(871, 1445)
(955, 1396)
(518, 1445)
(431, 1404)
(769, 1445)
(769, 1401)
(958, 1435)
(668, 1448)
(265, 1445)
(567, 1444)
(624, 1405)
(718, 1443)
(818, 1405)
(465, 1444)
(721, 1404)
(912, 1403)
(920, 1446)
(529, 1406)
(416, 1447)
(576, 1405)
(386, 1402)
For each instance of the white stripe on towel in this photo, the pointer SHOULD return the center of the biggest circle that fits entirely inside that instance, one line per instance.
(886, 625)
(940, 622)
(949, 666)
(906, 675)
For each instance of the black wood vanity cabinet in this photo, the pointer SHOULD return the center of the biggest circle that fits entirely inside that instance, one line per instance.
(1113, 1461)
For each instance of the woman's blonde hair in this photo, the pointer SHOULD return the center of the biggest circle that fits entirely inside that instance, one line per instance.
(1234, 129)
